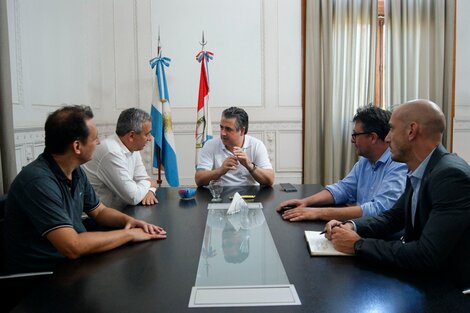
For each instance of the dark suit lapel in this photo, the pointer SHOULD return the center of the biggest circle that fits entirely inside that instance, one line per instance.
(436, 156)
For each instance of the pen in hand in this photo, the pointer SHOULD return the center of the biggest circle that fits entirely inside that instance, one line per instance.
(324, 232)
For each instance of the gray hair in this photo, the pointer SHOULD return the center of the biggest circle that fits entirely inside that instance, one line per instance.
(131, 120)
(241, 117)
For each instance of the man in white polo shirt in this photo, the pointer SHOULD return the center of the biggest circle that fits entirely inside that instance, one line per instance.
(116, 171)
(235, 158)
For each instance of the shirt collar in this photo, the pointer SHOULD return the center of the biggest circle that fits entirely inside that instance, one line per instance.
(122, 145)
(246, 144)
(419, 171)
(57, 171)
(382, 160)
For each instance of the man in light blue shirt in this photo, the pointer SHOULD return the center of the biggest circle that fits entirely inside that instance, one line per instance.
(434, 210)
(374, 184)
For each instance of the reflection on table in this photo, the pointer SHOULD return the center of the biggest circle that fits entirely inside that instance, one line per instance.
(249, 255)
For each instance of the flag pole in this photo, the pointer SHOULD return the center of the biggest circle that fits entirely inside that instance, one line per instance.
(164, 140)
(158, 151)
(203, 121)
(203, 42)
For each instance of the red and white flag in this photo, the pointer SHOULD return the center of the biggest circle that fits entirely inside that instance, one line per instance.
(203, 124)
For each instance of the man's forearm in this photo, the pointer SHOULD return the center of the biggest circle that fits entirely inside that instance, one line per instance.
(264, 176)
(339, 213)
(321, 198)
(110, 217)
(203, 177)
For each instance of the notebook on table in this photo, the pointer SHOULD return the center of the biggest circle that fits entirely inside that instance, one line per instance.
(318, 245)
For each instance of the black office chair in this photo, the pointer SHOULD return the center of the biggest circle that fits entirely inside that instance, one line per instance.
(14, 287)
(3, 200)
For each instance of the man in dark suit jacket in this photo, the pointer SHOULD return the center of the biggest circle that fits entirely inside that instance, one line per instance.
(434, 209)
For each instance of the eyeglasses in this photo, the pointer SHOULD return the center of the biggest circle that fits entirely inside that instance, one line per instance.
(354, 135)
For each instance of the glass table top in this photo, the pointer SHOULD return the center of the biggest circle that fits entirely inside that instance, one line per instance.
(238, 250)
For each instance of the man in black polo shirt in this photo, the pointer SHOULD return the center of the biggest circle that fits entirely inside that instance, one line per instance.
(43, 217)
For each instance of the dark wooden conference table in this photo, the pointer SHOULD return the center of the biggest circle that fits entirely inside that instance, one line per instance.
(157, 276)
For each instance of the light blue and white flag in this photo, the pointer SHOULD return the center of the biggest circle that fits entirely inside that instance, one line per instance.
(162, 128)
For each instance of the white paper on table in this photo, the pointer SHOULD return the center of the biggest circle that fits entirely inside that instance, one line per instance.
(224, 206)
(236, 204)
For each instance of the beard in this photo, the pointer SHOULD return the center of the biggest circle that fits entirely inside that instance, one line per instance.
(399, 153)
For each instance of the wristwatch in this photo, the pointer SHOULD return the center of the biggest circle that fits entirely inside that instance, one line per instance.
(253, 169)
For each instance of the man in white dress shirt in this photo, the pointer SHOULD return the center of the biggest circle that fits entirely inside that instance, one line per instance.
(235, 158)
(116, 171)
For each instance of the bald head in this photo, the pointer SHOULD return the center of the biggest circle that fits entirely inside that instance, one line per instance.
(416, 128)
(425, 113)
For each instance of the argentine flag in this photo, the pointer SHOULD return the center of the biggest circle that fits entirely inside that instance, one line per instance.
(162, 129)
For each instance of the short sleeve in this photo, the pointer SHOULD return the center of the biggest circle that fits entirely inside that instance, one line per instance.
(44, 204)
(206, 156)
(91, 200)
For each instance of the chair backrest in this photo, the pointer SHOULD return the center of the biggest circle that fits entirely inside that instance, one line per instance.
(17, 286)
(3, 200)
(3, 272)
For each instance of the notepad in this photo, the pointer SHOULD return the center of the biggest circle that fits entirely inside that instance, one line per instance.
(318, 245)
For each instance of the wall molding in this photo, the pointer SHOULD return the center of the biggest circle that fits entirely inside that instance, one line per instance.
(462, 124)
(18, 52)
(29, 143)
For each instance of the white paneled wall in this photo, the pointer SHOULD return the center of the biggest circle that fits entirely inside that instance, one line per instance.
(29, 144)
(97, 52)
(462, 83)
